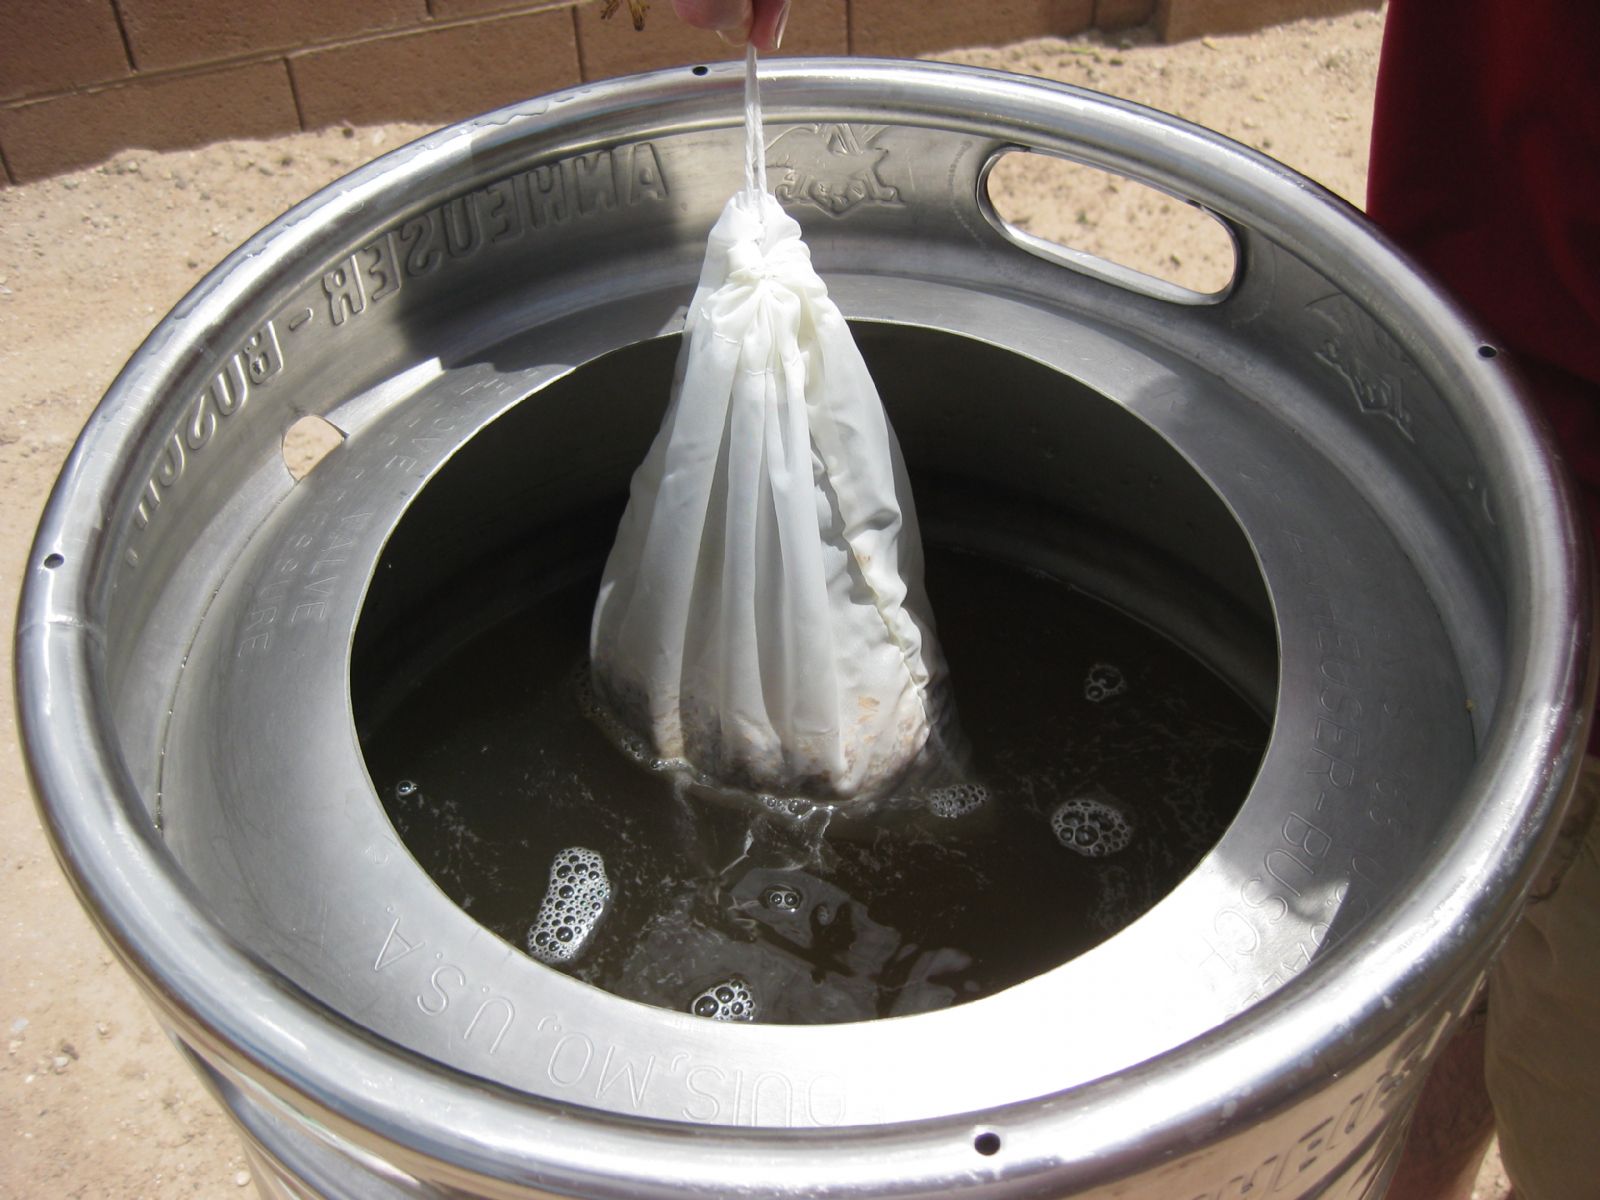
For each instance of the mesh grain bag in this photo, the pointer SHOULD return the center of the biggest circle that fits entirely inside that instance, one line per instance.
(761, 620)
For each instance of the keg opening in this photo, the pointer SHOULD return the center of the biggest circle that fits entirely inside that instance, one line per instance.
(1112, 656)
(1185, 253)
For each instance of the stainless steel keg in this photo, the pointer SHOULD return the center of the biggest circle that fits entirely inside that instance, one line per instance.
(1320, 480)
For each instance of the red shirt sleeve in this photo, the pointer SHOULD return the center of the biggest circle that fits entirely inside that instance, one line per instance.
(1486, 168)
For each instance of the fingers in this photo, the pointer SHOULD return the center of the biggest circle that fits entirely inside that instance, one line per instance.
(730, 18)
(766, 27)
(738, 21)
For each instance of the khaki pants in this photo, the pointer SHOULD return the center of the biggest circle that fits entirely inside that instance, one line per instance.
(1543, 1053)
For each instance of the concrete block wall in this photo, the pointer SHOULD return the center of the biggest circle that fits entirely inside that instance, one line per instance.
(83, 79)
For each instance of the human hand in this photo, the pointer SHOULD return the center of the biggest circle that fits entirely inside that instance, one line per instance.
(738, 21)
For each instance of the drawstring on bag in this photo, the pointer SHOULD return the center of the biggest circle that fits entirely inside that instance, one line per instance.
(755, 148)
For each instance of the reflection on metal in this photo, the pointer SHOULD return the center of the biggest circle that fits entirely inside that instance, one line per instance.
(185, 635)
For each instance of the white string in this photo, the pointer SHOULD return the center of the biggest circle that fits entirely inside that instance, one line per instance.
(755, 150)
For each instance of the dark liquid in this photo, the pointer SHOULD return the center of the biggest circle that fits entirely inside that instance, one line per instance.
(490, 769)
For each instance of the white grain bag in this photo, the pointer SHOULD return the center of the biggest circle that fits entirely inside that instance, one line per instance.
(761, 620)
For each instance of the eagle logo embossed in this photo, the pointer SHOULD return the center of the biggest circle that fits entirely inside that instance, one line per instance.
(833, 167)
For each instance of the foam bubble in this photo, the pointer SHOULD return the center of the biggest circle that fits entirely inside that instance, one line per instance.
(789, 806)
(578, 896)
(1103, 682)
(1091, 828)
(730, 1000)
(782, 899)
(957, 800)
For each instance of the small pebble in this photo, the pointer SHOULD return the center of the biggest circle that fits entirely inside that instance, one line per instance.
(241, 1179)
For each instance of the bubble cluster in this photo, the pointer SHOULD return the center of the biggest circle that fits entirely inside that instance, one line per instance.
(789, 806)
(957, 800)
(1092, 828)
(405, 789)
(782, 899)
(730, 1000)
(576, 899)
(1103, 682)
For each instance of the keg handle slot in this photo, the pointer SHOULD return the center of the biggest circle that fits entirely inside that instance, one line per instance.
(1205, 271)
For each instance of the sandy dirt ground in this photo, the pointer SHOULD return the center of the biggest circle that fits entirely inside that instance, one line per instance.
(94, 1101)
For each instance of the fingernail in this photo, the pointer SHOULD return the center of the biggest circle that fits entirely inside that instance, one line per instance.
(737, 35)
(783, 23)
